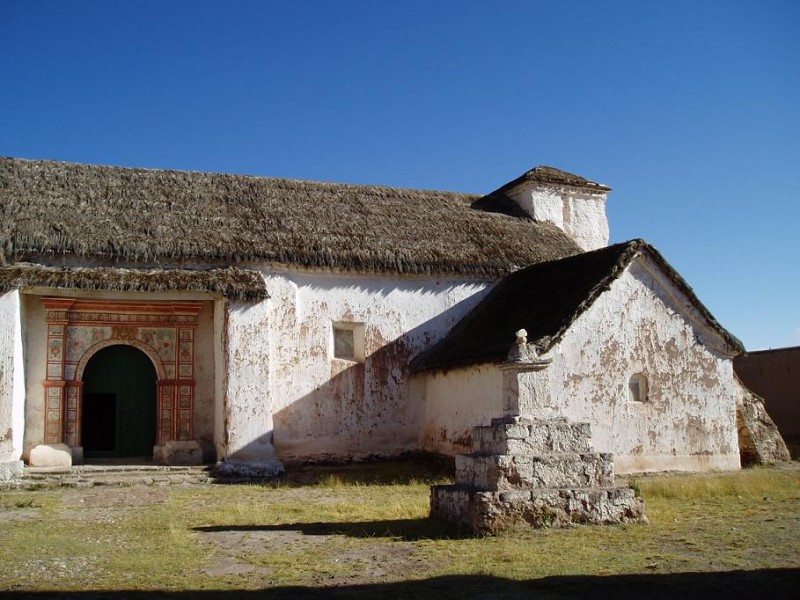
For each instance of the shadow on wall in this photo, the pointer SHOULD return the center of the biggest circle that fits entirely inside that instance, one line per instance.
(727, 585)
(364, 410)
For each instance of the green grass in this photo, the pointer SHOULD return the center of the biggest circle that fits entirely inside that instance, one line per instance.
(369, 524)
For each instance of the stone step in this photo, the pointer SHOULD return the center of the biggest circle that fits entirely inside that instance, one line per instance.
(85, 476)
(497, 472)
(487, 512)
(532, 437)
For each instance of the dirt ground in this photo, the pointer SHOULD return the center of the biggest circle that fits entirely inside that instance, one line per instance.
(350, 540)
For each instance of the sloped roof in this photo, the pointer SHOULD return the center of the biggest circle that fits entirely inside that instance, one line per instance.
(551, 175)
(161, 218)
(545, 299)
(240, 284)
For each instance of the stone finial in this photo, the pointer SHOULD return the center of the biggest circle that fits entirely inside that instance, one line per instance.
(522, 351)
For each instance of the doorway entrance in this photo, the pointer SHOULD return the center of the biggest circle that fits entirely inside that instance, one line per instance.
(118, 418)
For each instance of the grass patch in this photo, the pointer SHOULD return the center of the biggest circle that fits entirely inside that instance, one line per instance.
(342, 530)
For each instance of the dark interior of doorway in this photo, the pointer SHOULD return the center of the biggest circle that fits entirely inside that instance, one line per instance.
(118, 417)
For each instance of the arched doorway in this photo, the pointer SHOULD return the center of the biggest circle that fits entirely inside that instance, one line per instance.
(118, 417)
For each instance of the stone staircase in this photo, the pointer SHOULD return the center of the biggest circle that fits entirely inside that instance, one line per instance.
(86, 476)
(535, 472)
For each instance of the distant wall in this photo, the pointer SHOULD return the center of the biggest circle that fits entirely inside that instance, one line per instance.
(775, 376)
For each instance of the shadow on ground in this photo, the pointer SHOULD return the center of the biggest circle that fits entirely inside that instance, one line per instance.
(407, 530)
(768, 583)
(410, 468)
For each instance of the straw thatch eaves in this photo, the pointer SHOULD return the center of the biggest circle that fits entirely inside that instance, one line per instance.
(168, 218)
(238, 284)
(545, 299)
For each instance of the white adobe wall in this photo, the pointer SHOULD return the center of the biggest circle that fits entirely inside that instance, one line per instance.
(326, 408)
(643, 324)
(12, 379)
(579, 212)
(457, 401)
(246, 405)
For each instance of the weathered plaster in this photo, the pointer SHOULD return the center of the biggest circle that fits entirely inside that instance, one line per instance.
(247, 405)
(332, 409)
(579, 212)
(643, 324)
(12, 378)
(457, 401)
(220, 375)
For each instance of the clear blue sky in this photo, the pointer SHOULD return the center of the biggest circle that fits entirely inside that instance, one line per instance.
(689, 110)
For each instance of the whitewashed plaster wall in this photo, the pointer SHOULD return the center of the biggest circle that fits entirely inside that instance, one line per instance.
(326, 408)
(457, 401)
(204, 374)
(220, 376)
(643, 324)
(35, 353)
(247, 403)
(35, 339)
(12, 377)
(579, 212)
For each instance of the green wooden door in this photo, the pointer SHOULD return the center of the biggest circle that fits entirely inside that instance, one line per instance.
(125, 376)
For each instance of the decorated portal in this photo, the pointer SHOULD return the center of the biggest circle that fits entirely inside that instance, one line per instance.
(82, 332)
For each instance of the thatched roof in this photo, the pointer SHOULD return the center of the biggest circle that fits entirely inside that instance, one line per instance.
(169, 218)
(545, 299)
(239, 284)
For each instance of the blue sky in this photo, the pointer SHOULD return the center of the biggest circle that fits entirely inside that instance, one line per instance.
(690, 111)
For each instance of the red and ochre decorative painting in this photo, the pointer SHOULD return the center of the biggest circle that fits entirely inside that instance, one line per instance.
(77, 329)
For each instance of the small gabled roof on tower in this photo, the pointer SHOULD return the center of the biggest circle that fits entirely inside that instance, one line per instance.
(545, 300)
(551, 175)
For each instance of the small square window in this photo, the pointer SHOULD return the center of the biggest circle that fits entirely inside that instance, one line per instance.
(343, 343)
(637, 388)
(348, 341)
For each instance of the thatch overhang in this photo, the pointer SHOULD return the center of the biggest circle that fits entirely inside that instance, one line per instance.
(545, 299)
(171, 217)
(238, 284)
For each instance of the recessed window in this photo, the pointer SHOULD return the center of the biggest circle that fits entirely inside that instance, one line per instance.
(348, 341)
(637, 387)
(343, 345)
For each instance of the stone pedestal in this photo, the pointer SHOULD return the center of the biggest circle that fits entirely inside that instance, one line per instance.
(537, 473)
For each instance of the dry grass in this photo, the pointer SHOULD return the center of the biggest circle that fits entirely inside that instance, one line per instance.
(354, 529)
